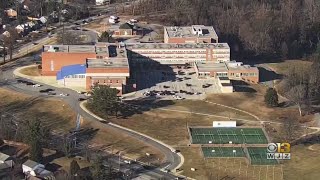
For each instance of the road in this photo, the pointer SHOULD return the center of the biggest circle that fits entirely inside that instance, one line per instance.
(7, 80)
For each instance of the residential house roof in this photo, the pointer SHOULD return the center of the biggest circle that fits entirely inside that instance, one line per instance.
(126, 26)
(3, 157)
(30, 163)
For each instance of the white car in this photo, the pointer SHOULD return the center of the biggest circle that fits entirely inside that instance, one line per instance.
(127, 161)
(36, 85)
(133, 20)
(62, 94)
(178, 97)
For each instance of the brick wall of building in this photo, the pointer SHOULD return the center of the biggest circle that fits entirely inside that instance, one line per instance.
(60, 59)
(245, 74)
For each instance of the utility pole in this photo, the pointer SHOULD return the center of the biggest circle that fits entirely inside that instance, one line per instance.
(119, 160)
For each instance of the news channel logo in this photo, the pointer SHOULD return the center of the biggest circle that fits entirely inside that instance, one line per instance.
(279, 151)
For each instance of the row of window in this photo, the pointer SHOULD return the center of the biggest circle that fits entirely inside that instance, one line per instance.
(172, 56)
(231, 74)
(243, 74)
(171, 51)
(106, 81)
(220, 56)
(76, 76)
(171, 60)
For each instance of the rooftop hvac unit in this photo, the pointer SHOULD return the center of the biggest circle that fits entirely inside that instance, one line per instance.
(51, 49)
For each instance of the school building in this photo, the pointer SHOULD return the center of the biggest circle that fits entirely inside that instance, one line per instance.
(109, 63)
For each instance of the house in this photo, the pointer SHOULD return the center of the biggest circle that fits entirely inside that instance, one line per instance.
(20, 28)
(5, 161)
(35, 169)
(126, 29)
(11, 13)
(102, 2)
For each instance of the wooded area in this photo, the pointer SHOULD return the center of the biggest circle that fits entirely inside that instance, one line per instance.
(255, 30)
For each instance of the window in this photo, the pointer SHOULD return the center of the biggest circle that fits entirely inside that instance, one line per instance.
(110, 81)
(117, 81)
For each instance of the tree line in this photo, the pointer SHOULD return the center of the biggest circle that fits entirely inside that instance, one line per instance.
(278, 29)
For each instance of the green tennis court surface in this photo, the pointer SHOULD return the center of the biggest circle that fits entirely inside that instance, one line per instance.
(225, 135)
(223, 152)
(258, 156)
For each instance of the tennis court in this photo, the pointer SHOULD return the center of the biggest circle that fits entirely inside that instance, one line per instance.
(258, 156)
(225, 135)
(211, 152)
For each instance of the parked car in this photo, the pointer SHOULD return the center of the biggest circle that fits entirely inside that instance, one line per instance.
(51, 93)
(62, 94)
(30, 83)
(46, 90)
(127, 161)
(36, 85)
(82, 99)
(21, 81)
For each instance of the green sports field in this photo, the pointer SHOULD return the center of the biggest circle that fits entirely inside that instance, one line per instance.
(209, 152)
(258, 156)
(225, 135)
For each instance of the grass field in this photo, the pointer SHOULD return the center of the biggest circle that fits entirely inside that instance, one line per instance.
(225, 168)
(282, 67)
(304, 163)
(225, 135)
(61, 119)
(254, 103)
(30, 71)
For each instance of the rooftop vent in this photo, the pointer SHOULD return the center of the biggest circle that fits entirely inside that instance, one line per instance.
(51, 49)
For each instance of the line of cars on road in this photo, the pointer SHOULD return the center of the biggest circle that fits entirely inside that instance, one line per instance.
(49, 91)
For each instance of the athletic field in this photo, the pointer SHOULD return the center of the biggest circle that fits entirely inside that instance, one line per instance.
(258, 156)
(227, 135)
(210, 152)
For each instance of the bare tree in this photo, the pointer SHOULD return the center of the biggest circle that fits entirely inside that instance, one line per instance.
(297, 94)
(9, 41)
(290, 127)
(68, 38)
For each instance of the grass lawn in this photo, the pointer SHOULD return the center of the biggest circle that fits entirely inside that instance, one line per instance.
(217, 168)
(61, 118)
(282, 67)
(206, 108)
(31, 71)
(304, 163)
(254, 103)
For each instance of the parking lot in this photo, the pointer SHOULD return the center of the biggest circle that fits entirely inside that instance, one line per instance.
(174, 83)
